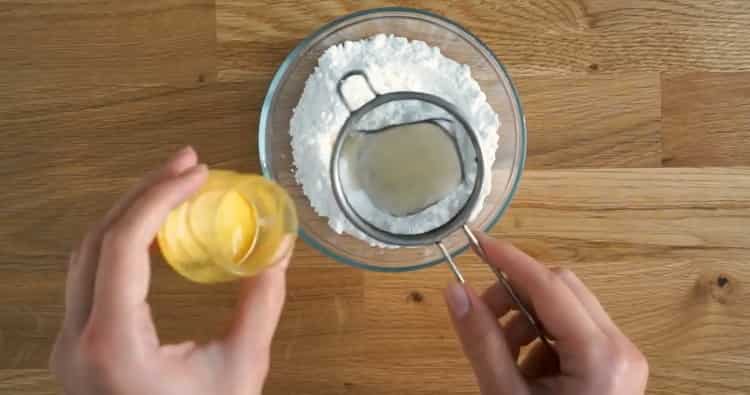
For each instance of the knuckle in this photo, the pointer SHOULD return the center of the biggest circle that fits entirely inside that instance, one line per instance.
(96, 350)
(623, 362)
(554, 278)
(618, 360)
(563, 273)
(481, 344)
(634, 363)
(567, 277)
(596, 353)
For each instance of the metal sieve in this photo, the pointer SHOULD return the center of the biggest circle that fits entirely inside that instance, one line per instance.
(458, 220)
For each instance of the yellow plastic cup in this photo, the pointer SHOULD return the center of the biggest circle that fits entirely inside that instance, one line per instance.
(235, 226)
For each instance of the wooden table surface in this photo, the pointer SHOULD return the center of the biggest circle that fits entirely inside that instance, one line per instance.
(638, 177)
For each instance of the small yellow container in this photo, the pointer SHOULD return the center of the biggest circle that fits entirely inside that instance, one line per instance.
(235, 226)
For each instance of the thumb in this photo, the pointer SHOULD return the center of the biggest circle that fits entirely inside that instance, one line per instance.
(483, 342)
(259, 309)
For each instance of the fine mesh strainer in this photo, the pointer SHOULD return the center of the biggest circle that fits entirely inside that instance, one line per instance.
(449, 119)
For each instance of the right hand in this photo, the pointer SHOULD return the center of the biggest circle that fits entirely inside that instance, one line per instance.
(591, 355)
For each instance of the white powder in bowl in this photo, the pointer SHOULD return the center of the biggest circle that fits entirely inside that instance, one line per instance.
(392, 64)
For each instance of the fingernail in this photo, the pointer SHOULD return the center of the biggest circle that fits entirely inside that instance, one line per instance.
(199, 168)
(183, 151)
(479, 234)
(457, 299)
(284, 254)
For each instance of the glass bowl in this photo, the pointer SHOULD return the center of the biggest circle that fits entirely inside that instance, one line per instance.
(454, 42)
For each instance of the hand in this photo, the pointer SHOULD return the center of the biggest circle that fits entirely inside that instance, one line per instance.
(108, 343)
(591, 355)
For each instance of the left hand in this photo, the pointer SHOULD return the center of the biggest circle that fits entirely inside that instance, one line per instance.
(108, 343)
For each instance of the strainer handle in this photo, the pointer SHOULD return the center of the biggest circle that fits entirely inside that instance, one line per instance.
(451, 263)
(503, 279)
(340, 85)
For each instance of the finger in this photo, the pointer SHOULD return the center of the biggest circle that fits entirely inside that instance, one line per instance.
(483, 342)
(82, 267)
(540, 361)
(179, 350)
(261, 301)
(559, 310)
(589, 302)
(518, 333)
(123, 274)
(497, 299)
(181, 161)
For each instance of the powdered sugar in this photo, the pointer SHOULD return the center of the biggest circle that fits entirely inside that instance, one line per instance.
(392, 64)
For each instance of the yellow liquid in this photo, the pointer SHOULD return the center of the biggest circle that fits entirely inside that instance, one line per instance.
(233, 227)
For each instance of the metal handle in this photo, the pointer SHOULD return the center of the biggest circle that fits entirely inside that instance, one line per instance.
(340, 91)
(503, 279)
(451, 263)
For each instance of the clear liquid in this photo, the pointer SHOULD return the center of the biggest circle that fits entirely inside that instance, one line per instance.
(407, 168)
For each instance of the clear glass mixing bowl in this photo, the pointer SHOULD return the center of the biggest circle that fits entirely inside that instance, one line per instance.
(454, 42)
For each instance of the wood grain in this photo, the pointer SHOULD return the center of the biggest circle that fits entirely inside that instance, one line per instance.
(706, 119)
(324, 306)
(661, 290)
(71, 55)
(610, 120)
(680, 208)
(94, 93)
(100, 151)
(62, 185)
(530, 37)
(28, 381)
